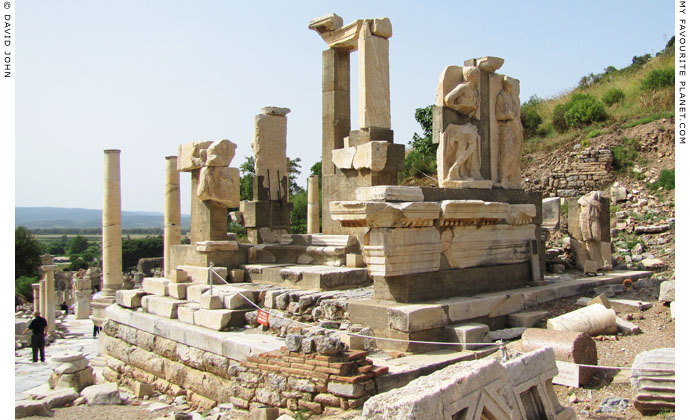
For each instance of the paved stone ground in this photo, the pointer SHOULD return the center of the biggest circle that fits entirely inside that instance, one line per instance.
(79, 336)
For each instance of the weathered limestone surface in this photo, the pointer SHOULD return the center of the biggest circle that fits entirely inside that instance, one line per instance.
(589, 228)
(220, 184)
(171, 212)
(49, 314)
(391, 252)
(112, 225)
(389, 193)
(269, 146)
(593, 320)
(129, 298)
(459, 158)
(470, 246)
(507, 113)
(191, 156)
(654, 381)
(569, 346)
(374, 80)
(156, 286)
(313, 223)
(381, 214)
(161, 305)
(234, 345)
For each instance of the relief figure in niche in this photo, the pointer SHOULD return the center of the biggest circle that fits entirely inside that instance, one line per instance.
(509, 134)
(464, 98)
(460, 154)
(590, 226)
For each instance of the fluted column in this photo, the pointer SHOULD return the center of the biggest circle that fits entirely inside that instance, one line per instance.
(313, 204)
(172, 229)
(112, 224)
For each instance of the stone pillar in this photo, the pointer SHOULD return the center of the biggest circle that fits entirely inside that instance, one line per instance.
(49, 315)
(374, 81)
(173, 233)
(112, 225)
(313, 204)
(42, 293)
(37, 296)
(335, 123)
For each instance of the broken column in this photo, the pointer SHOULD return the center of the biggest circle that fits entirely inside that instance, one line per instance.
(112, 225)
(173, 230)
(81, 284)
(267, 216)
(313, 204)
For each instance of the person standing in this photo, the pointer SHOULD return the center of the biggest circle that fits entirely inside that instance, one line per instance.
(39, 329)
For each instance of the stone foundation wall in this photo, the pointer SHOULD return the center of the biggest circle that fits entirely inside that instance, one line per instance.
(278, 378)
(580, 173)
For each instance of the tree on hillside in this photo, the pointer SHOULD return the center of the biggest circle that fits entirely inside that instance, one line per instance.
(27, 253)
(421, 160)
(247, 179)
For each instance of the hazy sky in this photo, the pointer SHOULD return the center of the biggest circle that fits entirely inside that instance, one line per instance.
(144, 77)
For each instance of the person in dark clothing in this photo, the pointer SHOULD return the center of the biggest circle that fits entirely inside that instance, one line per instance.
(39, 329)
(64, 307)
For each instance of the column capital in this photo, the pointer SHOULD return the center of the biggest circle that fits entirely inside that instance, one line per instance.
(49, 267)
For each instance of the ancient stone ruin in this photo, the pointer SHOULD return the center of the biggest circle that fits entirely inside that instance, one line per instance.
(447, 263)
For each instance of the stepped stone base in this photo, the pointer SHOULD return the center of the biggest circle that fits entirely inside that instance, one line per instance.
(427, 321)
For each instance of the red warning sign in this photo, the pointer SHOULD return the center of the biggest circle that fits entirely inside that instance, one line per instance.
(262, 317)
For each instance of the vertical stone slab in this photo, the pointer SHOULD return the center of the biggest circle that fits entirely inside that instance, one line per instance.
(313, 204)
(374, 79)
(269, 146)
(172, 234)
(112, 225)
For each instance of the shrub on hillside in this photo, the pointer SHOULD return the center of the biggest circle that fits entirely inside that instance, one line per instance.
(659, 78)
(612, 96)
(584, 109)
(558, 119)
(531, 120)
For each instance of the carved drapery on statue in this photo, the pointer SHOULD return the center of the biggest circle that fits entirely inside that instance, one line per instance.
(473, 100)
(509, 134)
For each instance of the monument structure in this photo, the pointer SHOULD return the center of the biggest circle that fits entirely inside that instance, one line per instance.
(438, 257)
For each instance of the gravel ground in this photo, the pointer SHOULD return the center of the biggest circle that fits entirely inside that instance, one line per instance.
(657, 330)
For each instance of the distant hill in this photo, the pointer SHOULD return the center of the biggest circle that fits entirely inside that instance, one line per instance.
(66, 218)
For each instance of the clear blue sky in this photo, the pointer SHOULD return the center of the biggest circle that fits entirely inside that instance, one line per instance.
(144, 77)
